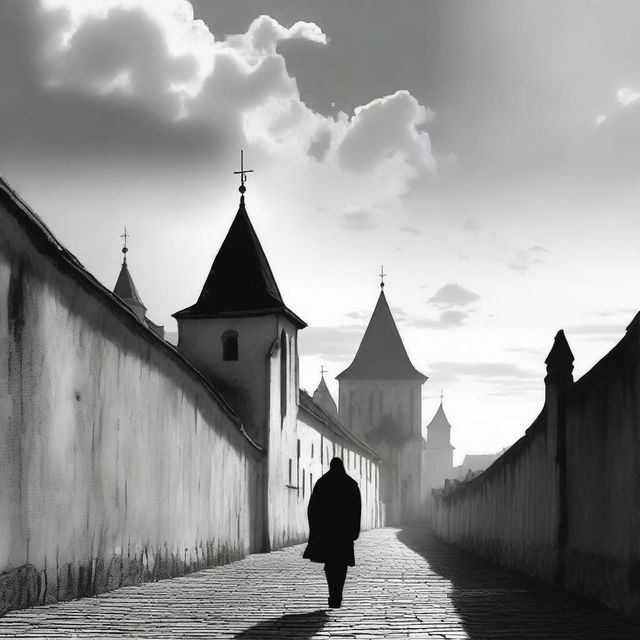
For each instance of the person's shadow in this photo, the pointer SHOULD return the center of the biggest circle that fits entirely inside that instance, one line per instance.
(295, 625)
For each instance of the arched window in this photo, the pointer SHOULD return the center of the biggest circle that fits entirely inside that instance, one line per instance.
(283, 374)
(230, 345)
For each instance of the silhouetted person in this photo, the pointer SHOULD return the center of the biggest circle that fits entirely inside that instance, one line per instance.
(334, 523)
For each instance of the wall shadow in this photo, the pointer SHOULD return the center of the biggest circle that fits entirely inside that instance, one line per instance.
(493, 602)
(301, 626)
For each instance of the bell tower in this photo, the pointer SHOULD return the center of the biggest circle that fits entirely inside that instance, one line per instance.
(380, 400)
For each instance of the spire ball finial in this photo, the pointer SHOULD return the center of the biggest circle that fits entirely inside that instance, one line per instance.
(382, 276)
(124, 237)
(242, 174)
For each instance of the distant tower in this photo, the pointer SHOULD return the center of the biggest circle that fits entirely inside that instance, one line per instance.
(241, 335)
(127, 292)
(125, 288)
(322, 397)
(438, 451)
(380, 400)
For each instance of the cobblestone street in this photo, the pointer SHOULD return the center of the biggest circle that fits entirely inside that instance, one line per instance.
(406, 585)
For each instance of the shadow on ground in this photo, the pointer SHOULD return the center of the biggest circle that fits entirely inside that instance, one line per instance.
(299, 625)
(493, 602)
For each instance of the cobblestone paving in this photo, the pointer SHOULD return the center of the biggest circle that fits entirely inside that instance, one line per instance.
(406, 585)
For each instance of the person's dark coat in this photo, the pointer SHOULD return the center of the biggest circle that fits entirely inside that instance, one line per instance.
(334, 518)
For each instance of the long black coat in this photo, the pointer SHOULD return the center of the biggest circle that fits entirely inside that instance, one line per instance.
(334, 519)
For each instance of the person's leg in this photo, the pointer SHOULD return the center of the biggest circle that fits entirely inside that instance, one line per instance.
(336, 575)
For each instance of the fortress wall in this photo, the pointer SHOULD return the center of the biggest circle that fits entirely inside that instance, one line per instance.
(563, 504)
(118, 464)
(289, 496)
(508, 514)
(602, 555)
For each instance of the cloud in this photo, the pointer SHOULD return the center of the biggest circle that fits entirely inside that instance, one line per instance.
(144, 78)
(333, 343)
(359, 221)
(472, 225)
(604, 313)
(627, 96)
(596, 329)
(482, 371)
(522, 260)
(453, 295)
(411, 230)
(388, 128)
(449, 319)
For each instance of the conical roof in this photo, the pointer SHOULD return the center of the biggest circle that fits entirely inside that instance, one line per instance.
(439, 430)
(322, 396)
(381, 354)
(240, 282)
(126, 290)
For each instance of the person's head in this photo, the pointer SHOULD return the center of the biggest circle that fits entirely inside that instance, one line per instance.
(336, 464)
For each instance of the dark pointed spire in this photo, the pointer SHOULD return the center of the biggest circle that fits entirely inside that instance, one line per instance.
(240, 282)
(560, 359)
(381, 354)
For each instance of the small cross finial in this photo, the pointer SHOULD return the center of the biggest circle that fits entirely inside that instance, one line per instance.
(322, 371)
(124, 237)
(441, 396)
(382, 276)
(242, 173)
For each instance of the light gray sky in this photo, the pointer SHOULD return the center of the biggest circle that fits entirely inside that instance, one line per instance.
(486, 152)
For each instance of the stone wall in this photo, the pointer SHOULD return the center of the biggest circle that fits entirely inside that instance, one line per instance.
(563, 504)
(119, 463)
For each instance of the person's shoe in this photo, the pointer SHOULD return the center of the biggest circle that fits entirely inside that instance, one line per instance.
(334, 604)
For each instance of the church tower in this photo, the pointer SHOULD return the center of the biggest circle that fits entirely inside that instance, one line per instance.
(242, 336)
(438, 451)
(380, 400)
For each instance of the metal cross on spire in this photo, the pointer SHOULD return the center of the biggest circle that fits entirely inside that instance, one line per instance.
(441, 395)
(382, 276)
(322, 371)
(124, 237)
(242, 173)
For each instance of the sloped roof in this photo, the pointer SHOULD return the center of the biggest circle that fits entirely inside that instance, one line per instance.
(322, 396)
(125, 287)
(440, 419)
(240, 281)
(381, 354)
(439, 430)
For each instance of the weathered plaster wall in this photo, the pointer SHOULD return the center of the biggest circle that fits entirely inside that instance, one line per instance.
(118, 464)
(563, 504)
(509, 513)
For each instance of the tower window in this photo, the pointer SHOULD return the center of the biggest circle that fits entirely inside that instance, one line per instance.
(230, 345)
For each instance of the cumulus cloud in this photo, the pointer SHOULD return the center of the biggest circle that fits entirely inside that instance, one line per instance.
(144, 77)
(453, 295)
(387, 129)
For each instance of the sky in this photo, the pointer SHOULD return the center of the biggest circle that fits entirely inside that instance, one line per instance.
(485, 152)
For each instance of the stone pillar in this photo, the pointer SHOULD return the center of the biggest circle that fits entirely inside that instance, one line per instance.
(557, 382)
